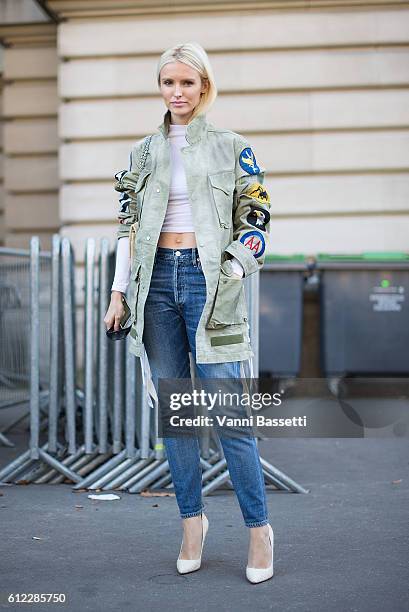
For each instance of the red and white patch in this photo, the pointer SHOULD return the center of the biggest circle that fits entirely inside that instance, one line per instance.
(254, 241)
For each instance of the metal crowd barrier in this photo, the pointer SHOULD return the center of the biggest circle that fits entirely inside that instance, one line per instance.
(96, 426)
(15, 298)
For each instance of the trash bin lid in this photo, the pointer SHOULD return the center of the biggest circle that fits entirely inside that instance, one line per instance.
(274, 258)
(365, 256)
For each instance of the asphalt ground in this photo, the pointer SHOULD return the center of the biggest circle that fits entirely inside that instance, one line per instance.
(341, 547)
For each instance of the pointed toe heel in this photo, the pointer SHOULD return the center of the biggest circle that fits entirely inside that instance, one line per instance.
(185, 566)
(254, 574)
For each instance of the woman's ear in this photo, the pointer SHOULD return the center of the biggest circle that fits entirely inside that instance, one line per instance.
(205, 85)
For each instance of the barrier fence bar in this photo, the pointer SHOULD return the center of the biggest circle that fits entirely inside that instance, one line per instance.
(34, 347)
(103, 347)
(55, 342)
(69, 342)
(118, 398)
(130, 397)
(89, 345)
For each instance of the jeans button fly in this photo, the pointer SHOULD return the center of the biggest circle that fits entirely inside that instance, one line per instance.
(177, 253)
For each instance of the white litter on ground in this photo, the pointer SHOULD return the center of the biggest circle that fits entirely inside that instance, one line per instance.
(105, 496)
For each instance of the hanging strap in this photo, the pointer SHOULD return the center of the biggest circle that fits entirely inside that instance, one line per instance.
(144, 152)
(134, 226)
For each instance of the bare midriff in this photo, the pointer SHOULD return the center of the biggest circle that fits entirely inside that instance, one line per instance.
(176, 240)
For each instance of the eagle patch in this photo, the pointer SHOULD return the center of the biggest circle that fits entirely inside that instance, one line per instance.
(259, 217)
(248, 162)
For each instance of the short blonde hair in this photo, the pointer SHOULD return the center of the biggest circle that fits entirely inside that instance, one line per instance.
(195, 56)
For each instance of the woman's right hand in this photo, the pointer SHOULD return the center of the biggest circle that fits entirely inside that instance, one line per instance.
(115, 311)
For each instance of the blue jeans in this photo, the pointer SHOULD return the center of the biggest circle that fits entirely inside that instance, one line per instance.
(173, 308)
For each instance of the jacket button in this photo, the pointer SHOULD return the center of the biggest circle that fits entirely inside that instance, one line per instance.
(157, 190)
(148, 237)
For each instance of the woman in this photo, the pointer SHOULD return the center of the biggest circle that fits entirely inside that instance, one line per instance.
(196, 200)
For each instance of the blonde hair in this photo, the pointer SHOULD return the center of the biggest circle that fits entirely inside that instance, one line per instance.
(196, 57)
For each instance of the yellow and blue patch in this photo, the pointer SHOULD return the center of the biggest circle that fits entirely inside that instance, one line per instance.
(248, 162)
(258, 192)
(254, 241)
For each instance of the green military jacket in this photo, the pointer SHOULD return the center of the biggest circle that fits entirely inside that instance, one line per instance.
(230, 209)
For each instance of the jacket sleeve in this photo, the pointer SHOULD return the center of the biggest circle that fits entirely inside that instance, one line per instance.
(125, 181)
(251, 210)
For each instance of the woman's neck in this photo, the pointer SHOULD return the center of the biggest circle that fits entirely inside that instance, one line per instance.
(177, 120)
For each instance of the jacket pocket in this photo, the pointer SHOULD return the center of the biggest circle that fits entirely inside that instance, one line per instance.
(223, 187)
(227, 308)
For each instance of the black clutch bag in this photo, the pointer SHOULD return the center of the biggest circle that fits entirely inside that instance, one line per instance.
(124, 325)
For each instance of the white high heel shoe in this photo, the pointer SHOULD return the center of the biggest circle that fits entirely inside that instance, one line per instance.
(256, 574)
(185, 566)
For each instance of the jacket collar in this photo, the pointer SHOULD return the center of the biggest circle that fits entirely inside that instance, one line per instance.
(194, 129)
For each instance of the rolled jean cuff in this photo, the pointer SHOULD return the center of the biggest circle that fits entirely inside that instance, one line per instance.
(257, 523)
(189, 514)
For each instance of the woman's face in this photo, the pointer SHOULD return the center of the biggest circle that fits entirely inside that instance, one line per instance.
(180, 86)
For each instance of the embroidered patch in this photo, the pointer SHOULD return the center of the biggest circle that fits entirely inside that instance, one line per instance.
(230, 339)
(248, 161)
(118, 176)
(254, 241)
(259, 217)
(124, 201)
(257, 192)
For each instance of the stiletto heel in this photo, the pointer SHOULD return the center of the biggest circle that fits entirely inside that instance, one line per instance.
(185, 566)
(255, 574)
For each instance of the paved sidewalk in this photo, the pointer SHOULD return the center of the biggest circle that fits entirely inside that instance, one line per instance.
(341, 547)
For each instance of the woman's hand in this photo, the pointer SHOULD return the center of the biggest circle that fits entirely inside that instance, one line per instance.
(115, 311)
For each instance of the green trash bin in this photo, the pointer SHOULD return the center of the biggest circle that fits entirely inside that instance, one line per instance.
(281, 312)
(364, 313)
